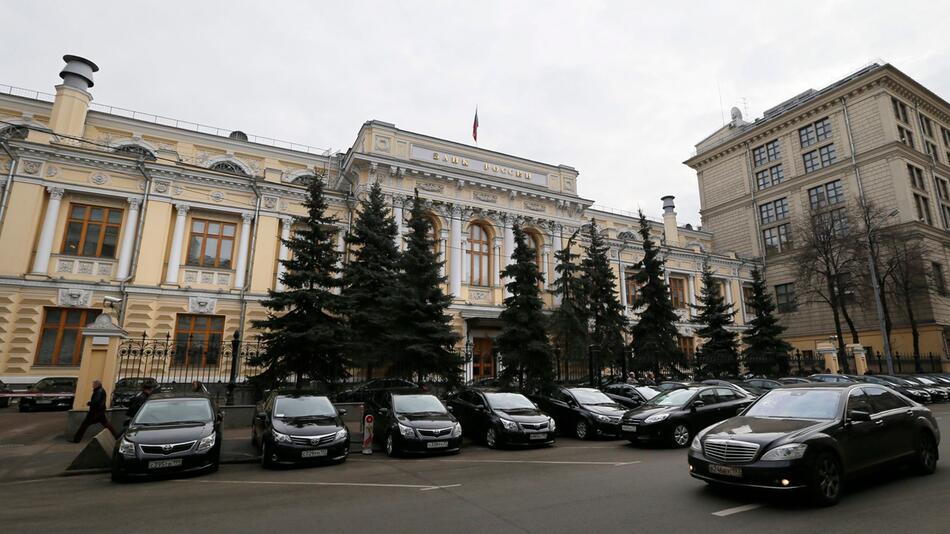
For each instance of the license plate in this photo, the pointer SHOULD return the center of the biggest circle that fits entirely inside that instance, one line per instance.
(314, 453)
(160, 464)
(437, 444)
(44, 401)
(628, 428)
(725, 470)
(537, 436)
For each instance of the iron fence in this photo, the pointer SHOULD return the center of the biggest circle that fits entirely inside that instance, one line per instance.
(181, 360)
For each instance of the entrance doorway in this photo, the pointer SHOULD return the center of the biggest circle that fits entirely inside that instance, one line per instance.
(483, 361)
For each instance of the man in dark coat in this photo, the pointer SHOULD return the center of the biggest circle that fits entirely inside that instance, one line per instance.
(137, 401)
(96, 413)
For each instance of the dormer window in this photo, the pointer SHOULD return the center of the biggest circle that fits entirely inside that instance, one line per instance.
(228, 167)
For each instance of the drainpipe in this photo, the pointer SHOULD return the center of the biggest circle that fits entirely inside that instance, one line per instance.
(753, 187)
(249, 269)
(9, 185)
(123, 284)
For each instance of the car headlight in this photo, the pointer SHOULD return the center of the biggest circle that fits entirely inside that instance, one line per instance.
(280, 438)
(551, 426)
(696, 445)
(793, 451)
(208, 441)
(509, 425)
(656, 418)
(406, 431)
(341, 434)
(457, 430)
(607, 419)
(126, 447)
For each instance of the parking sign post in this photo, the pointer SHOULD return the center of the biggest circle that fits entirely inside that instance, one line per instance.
(368, 434)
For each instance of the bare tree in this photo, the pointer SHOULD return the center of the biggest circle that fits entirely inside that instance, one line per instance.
(909, 280)
(873, 245)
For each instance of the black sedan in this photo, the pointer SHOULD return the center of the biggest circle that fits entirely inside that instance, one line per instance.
(169, 434)
(586, 412)
(414, 423)
(499, 418)
(903, 387)
(126, 388)
(675, 416)
(5, 391)
(938, 392)
(813, 437)
(52, 393)
(763, 384)
(630, 395)
(292, 427)
(794, 380)
(370, 388)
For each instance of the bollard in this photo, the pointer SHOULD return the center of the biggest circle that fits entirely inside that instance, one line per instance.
(368, 434)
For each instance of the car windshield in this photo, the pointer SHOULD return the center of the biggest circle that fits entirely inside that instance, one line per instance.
(164, 412)
(648, 393)
(303, 406)
(416, 404)
(132, 382)
(797, 404)
(927, 381)
(591, 397)
(674, 397)
(509, 401)
(899, 381)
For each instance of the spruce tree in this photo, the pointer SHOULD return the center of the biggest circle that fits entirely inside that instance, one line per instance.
(719, 353)
(523, 342)
(765, 351)
(369, 281)
(604, 309)
(303, 333)
(569, 320)
(423, 339)
(654, 342)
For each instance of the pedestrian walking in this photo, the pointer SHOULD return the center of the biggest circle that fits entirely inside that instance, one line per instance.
(199, 388)
(96, 413)
(137, 401)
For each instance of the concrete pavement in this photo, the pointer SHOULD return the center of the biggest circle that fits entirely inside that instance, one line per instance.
(598, 486)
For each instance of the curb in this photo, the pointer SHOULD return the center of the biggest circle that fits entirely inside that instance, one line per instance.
(80, 472)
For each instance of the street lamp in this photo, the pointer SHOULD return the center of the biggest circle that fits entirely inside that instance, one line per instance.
(876, 287)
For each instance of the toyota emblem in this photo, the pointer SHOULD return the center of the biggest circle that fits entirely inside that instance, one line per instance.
(166, 447)
(314, 441)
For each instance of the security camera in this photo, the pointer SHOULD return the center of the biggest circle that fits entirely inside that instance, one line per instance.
(111, 302)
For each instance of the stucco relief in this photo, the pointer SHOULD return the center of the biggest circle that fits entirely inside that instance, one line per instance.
(201, 305)
(485, 197)
(534, 206)
(71, 297)
(431, 187)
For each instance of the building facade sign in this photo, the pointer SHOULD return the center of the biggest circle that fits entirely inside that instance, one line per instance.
(484, 167)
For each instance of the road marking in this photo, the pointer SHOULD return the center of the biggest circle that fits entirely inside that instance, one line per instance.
(553, 462)
(421, 487)
(736, 510)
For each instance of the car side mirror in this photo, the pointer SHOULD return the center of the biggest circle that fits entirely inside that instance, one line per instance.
(536, 406)
(698, 404)
(219, 417)
(858, 415)
(450, 408)
(261, 416)
(383, 411)
(341, 411)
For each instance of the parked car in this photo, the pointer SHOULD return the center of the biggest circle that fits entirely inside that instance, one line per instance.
(763, 384)
(795, 380)
(169, 434)
(365, 391)
(630, 395)
(671, 384)
(292, 427)
(126, 388)
(414, 423)
(830, 378)
(917, 389)
(498, 418)
(53, 393)
(675, 416)
(4, 390)
(938, 392)
(586, 412)
(903, 387)
(813, 437)
(745, 389)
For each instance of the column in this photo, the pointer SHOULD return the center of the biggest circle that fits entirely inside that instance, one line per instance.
(509, 248)
(498, 251)
(241, 269)
(623, 286)
(691, 280)
(546, 261)
(443, 241)
(727, 289)
(397, 214)
(283, 254)
(174, 257)
(45, 245)
(128, 240)
(455, 252)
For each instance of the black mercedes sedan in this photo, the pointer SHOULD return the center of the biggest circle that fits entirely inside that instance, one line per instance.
(938, 392)
(414, 423)
(586, 412)
(814, 437)
(50, 393)
(499, 418)
(169, 434)
(903, 387)
(675, 416)
(293, 427)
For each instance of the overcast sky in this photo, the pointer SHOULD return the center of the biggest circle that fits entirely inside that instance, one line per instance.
(621, 91)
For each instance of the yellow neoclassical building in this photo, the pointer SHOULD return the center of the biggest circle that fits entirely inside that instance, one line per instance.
(182, 223)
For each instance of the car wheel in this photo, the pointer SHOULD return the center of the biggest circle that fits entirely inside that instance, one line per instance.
(391, 450)
(926, 454)
(491, 438)
(826, 480)
(679, 436)
(116, 474)
(582, 430)
(24, 407)
(266, 461)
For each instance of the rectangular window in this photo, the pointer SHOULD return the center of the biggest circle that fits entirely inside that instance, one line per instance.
(916, 177)
(900, 110)
(92, 231)
(931, 150)
(785, 298)
(926, 126)
(631, 287)
(939, 283)
(198, 339)
(776, 239)
(747, 300)
(904, 136)
(816, 159)
(828, 155)
(945, 215)
(211, 243)
(769, 177)
(814, 133)
(770, 151)
(922, 204)
(687, 345)
(946, 136)
(812, 163)
(834, 222)
(61, 336)
(826, 195)
(773, 211)
(678, 292)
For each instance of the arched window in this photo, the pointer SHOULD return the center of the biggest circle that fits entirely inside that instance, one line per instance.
(533, 241)
(303, 179)
(229, 167)
(14, 131)
(479, 251)
(434, 234)
(136, 151)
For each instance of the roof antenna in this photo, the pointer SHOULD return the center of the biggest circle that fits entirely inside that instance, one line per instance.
(722, 111)
(745, 106)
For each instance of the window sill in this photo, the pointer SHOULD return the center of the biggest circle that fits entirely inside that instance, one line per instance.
(53, 366)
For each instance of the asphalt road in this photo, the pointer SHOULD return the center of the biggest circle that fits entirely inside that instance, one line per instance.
(591, 486)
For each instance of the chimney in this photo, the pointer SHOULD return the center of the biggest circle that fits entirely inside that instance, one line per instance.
(73, 97)
(670, 230)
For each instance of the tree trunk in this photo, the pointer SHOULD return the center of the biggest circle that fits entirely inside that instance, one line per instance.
(914, 333)
(833, 302)
(847, 318)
